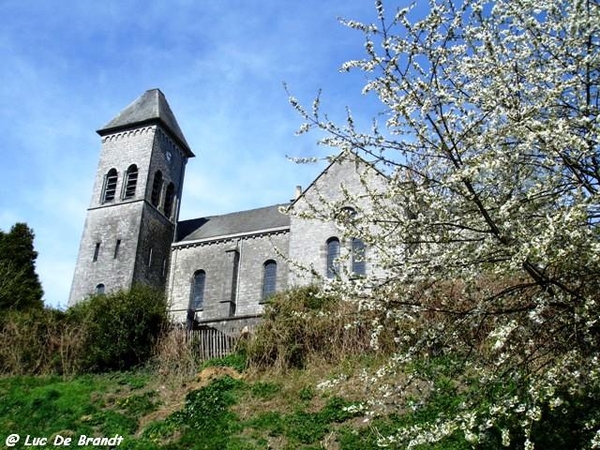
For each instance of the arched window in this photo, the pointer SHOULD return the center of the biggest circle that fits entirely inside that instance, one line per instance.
(110, 186)
(269, 279)
(198, 283)
(100, 289)
(169, 198)
(333, 253)
(131, 177)
(156, 188)
(358, 257)
(346, 215)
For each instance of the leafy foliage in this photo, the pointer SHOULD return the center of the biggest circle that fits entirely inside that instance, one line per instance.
(20, 287)
(120, 329)
(488, 233)
(37, 341)
(236, 361)
(304, 323)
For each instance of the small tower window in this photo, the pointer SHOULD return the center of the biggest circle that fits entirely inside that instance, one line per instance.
(100, 289)
(198, 289)
(96, 252)
(269, 279)
(358, 257)
(117, 246)
(110, 186)
(169, 199)
(131, 178)
(156, 188)
(333, 253)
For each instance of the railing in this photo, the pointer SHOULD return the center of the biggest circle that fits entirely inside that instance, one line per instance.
(211, 343)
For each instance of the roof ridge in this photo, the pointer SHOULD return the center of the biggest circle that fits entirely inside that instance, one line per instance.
(236, 212)
(150, 107)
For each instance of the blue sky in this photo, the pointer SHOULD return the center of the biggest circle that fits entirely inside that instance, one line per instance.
(69, 66)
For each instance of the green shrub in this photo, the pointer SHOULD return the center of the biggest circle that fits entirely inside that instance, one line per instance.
(265, 390)
(302, 325)
(204, 422)
(121, 329)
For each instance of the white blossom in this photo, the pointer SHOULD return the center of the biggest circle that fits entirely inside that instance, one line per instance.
(488, 238)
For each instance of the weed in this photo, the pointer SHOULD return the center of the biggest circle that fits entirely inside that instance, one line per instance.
(137, 405)
(265, 390)
(236, 361)
(306, 394)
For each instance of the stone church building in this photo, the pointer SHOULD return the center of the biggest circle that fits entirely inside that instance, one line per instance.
(217, 271)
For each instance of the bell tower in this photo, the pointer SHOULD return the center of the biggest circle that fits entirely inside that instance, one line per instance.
(131, 220)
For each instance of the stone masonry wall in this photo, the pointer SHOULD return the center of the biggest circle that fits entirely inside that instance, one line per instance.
(215, 259)
(134, 222)
(114, 269)
(347, 177)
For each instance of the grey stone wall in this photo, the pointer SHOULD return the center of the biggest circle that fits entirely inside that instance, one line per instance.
(216, 258)
(135, 223)
(153, 249)
(169, 159)
(119, 151)
(345, 183)
(104, 226)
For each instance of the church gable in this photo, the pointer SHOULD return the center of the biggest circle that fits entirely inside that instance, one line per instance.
(318, 240)
(347, 180)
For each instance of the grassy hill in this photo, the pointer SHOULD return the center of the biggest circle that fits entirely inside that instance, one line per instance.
(219, 408)
(304, 380)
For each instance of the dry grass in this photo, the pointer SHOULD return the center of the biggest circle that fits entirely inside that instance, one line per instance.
(38, 342)
(302, 329)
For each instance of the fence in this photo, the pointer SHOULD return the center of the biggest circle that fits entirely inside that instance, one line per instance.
(211, 343)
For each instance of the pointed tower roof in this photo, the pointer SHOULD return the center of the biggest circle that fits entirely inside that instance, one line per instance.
(150, 108)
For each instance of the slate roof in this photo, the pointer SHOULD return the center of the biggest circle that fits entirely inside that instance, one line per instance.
(237, 223)
(151, 107)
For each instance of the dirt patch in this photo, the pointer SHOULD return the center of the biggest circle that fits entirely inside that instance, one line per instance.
(173, 398)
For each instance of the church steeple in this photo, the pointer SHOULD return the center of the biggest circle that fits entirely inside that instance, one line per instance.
(150, 108)
(135, 202)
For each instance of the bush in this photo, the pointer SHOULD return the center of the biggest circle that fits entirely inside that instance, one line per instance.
(302, 324)
(36, 342)
(119, 330)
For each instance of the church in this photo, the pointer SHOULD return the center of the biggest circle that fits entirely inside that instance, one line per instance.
(217, 271)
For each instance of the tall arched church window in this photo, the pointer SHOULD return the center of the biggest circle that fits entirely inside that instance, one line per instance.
(333, 253)
(358, 257)
(156, 188)
(110, 186)
(269, 279)
(131, 177)
(198, 282)
(169, 199)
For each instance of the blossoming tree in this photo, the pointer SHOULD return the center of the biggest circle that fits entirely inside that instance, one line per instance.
(489, 232)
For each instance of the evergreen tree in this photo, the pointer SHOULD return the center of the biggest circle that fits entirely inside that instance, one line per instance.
(20, 287)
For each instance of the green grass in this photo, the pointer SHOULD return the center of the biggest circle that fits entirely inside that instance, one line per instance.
(280, 411)
(225, 414)
(105, 405)
(91, 405)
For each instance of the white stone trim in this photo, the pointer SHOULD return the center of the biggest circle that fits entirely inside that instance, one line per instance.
(226, 237)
